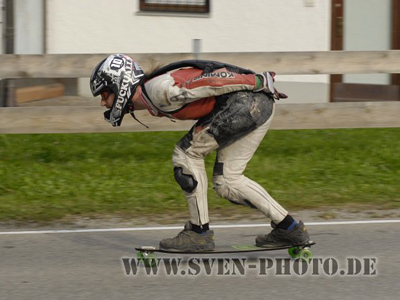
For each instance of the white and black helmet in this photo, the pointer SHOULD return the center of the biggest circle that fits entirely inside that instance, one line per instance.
(121, 75)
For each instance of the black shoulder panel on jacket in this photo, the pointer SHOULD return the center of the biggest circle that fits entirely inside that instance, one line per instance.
(207, 65)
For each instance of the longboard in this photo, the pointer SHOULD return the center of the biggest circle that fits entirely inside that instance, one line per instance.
(146, 253)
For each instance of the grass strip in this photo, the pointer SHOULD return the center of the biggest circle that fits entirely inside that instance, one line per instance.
(53, 176)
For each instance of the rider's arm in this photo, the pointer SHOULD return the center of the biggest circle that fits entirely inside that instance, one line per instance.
(188, 85)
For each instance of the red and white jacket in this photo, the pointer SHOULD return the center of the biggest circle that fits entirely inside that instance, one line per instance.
(189, 94)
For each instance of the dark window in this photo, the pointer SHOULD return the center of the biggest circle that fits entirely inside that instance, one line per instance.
(182, 6)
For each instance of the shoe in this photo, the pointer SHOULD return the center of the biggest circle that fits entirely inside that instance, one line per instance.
(188, 240)
(281, 238)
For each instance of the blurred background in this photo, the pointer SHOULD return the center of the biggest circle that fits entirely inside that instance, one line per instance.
(333, 151)
(201, 26)
(337, 60)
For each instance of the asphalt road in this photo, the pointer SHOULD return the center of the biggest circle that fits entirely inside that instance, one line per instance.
(89, 266)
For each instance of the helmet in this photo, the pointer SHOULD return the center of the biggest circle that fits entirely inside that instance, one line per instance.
(120, 74)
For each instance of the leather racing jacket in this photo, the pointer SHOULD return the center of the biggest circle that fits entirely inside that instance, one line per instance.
(189, 93)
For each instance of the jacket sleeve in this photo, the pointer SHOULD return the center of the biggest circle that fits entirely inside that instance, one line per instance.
(216, 83)
(180, 87)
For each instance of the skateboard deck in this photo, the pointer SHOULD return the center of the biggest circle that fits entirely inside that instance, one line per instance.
(146, 253)
(223, 249)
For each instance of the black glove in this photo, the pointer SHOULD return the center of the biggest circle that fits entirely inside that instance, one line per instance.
(267, 85)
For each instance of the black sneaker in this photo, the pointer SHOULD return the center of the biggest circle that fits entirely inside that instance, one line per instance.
(190, 241)
(281, 238)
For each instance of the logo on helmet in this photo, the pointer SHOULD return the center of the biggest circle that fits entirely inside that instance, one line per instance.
(125, 92)
(116, 63)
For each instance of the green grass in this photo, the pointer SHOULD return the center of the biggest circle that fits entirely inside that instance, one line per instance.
(50, 177)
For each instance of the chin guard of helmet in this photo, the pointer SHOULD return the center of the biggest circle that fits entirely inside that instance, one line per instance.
(115, 122)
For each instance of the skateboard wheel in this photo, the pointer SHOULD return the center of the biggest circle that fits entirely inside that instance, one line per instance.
(294, 252)
(148, 259)
(140, 256)
(305, 255)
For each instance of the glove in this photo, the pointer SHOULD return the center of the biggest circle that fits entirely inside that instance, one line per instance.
(267, 85)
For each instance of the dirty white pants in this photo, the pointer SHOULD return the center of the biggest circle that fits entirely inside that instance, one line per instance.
(235, 129)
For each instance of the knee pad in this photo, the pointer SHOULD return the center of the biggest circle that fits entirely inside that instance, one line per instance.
(186, 182)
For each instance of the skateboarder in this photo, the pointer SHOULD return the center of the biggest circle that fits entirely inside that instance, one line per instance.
(233, 107)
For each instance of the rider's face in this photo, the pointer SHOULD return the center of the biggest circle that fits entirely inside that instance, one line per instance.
(107, 99)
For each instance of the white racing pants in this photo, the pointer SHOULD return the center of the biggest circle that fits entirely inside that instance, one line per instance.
(235, 129)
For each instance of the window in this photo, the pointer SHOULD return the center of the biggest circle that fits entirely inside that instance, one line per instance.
(182, 6)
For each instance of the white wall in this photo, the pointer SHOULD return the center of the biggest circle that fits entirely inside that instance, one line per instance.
(98, 26)
(106, 26)
(29, 26)
(368, 27)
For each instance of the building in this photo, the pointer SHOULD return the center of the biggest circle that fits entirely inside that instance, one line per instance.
(171, 26)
